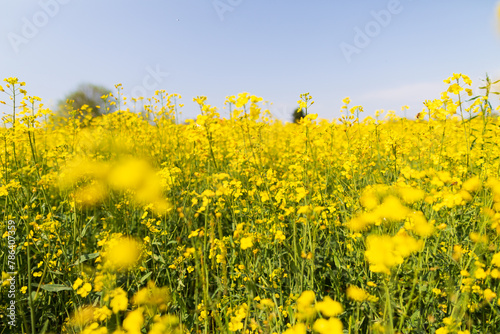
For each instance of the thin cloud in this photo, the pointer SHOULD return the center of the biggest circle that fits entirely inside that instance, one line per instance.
(414, 92)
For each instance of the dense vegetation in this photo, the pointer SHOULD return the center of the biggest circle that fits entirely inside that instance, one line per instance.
(133, 223)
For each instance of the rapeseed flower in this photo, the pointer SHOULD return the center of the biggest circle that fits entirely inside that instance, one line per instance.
(82, 316)
(384, 252)
(122, 253)
(246, 243)
(299, 328)
(305, 308)
(329, 307)
(472, 185)
(381, 254)
(134, 321)
(119, 301)
(152, 295)
(330, 326)
(165, 324)
(357, 294)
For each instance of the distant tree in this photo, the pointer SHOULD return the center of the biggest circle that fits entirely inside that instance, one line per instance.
(298, 114)
(85, 94)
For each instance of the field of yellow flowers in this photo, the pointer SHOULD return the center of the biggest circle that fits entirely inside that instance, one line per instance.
(133, 223)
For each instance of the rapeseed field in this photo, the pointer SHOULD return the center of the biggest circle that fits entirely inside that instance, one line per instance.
(132, 222)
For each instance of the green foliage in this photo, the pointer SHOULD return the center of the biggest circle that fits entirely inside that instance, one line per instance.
(298, 114)
(85, 94)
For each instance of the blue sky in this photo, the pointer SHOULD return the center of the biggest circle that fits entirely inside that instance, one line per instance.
(382, 54)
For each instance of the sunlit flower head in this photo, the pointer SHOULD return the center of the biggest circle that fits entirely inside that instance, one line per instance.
(122, 253)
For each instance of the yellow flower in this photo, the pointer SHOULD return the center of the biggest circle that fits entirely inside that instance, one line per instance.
(411, 195)
(12, 80)
(329, 308)
(472, 185)
(455, 89)
(457, 252)
(129, 174)
(419, 225)
(84, 290)
(495, 273)
(305, 308)
(280, 236)
(82, 316)
(119, 301)
(496, 260)
(480, 273)
(478, 238)
(357, 294)
(442, 330)
(362, 222)
(299, 328)
(4, 191)
(94, 328)
(78, 282)
(405, 244)
(330, 326)
(380, 253)
(236, 322)
(242, 99)
(5, 278)
(134, 321)
(246, 243)
(91, 194)
(165, 324)
(489, 295)
(102, 313)
(391, 209)
(123, 253)
(152, 295)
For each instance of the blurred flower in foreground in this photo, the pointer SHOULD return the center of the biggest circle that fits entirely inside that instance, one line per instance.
(119, 301)
(122, 253)
(166, 324)
(299, 328)
(329, 307)
(305, 307)
(82, 316)
(384, 252)
(152, 296)
(94, 180)
(330, 326)
(357, 294)
(91, 194)
(246, 243)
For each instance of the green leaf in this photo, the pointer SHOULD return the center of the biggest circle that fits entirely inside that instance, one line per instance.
(54, 287)
(415, 317)
(45, 326)
(158, 258)
(57, 272)
(82, 234)
(84, 258)
(336, 261)
(145, 277)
